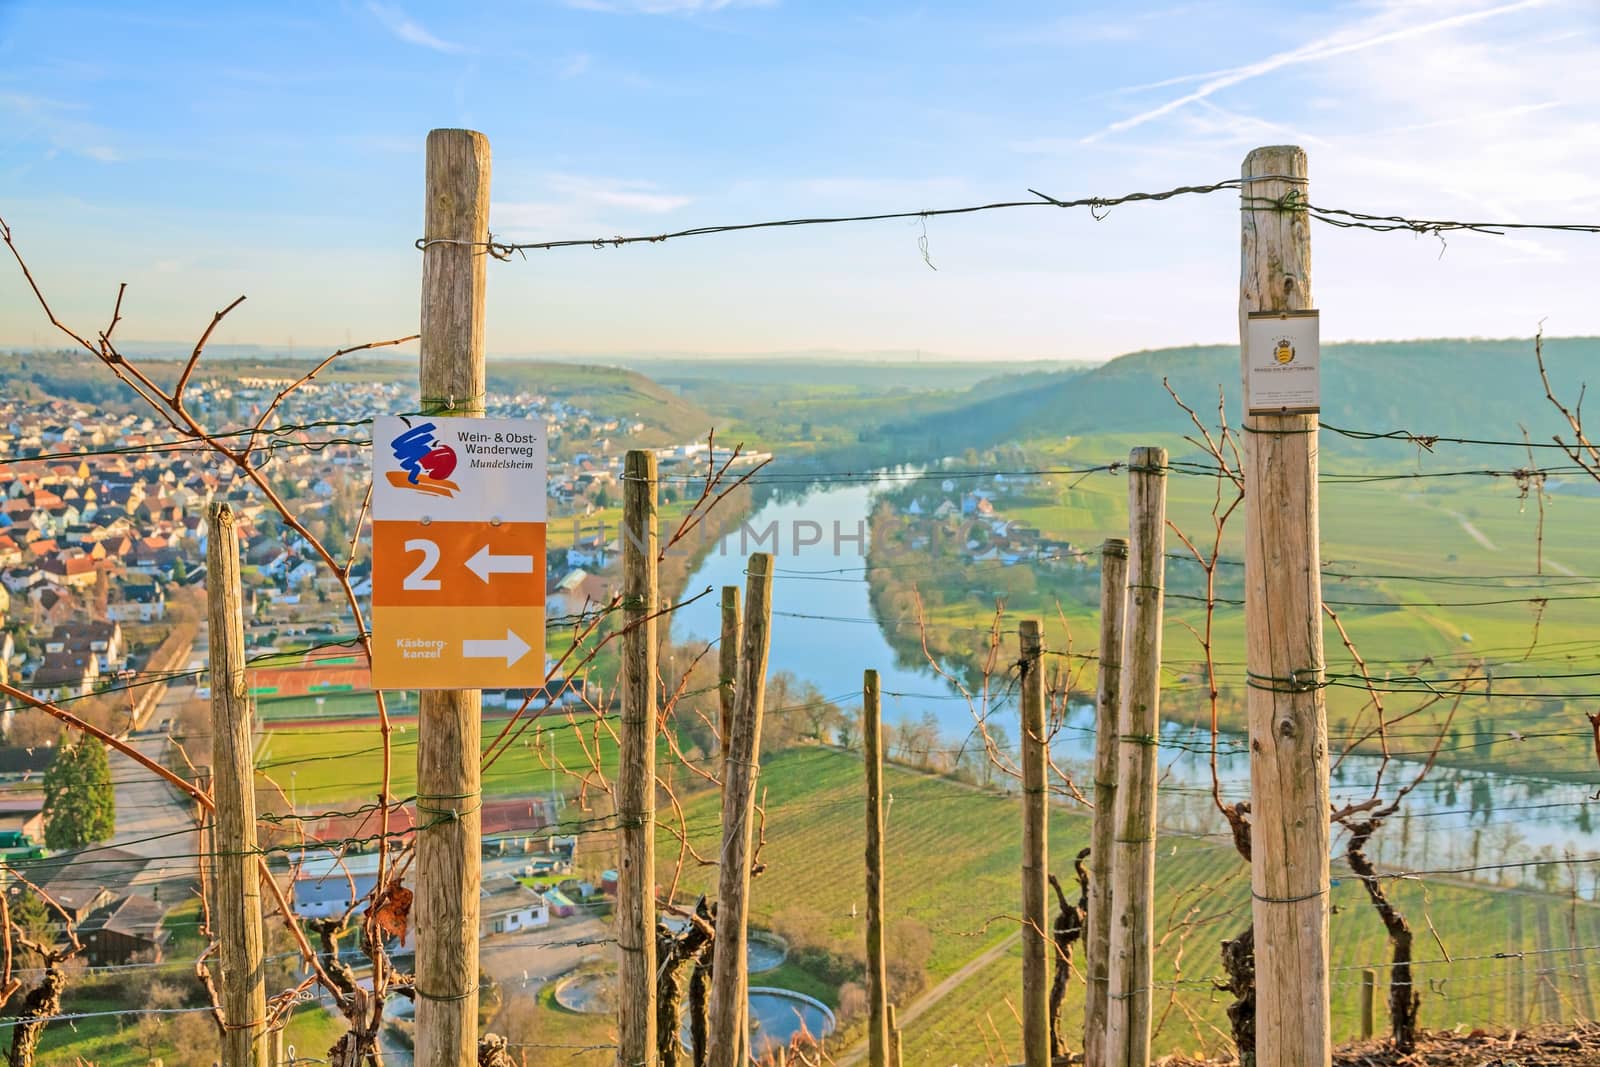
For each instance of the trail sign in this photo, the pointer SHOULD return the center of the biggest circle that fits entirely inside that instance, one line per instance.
(458, 535)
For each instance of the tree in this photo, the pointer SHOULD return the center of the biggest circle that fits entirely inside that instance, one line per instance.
(194, 1040)
(910, 946)
(150, 1033)
(80, 806)
(31, 917)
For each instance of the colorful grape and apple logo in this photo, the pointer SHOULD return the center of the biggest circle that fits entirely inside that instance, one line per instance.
(425, 464)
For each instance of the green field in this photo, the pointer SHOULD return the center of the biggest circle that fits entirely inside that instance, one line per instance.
(334, 765)
(1433, 577)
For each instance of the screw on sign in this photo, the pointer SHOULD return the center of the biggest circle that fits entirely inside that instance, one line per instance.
(458, 536)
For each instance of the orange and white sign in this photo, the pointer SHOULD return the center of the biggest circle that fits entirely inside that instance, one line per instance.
(458, 536)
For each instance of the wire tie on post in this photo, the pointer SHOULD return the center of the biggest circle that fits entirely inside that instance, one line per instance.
(452, 998)
(1302, 898)
(1279, 433)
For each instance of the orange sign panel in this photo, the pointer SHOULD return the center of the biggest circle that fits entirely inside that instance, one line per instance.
(458, 564)
(458, 542)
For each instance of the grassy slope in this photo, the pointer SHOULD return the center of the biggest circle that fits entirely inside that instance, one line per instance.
(953, 857)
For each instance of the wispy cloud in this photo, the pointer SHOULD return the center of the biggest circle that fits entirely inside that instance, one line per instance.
(575, 65)
(410, 30)
(54, 121)
(664, 7)
(618, 193)
(581, 202)
(1354, 38)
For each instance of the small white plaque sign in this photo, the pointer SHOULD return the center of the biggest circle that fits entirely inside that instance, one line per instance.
(1283, 355)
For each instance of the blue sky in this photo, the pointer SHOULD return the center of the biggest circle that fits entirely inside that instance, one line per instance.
(202, 151)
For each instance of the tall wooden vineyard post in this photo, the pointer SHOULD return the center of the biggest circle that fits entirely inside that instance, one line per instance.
(1133, 864)
(728, 663)
(236, 905)
(1283, 646)
(728, 1041)
(877, 963)
(636, 773)
(1036, 926)
(1108, 709)
(449, 726)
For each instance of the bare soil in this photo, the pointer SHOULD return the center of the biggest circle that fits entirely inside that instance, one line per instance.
(1546, 1046)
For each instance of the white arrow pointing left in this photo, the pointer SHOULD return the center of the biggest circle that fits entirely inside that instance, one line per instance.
(511, 649)
(485, 563)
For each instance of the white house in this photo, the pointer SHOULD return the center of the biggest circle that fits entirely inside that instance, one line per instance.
(507, 906)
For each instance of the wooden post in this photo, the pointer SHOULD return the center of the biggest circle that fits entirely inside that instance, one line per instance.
(449, 742)
(1133, 856)
(728, 662)
(728, 1042)
(877, 964)
(636, 775)
(1369, 989)
(275, 1056)
(1283, 648)
(236, 882)
(1036, 943)
(895, 1051)
(1108, 707)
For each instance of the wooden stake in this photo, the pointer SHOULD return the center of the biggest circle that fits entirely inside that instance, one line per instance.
(895, 1051)
(1036, 943)
(877, 964)
(728, 661)
(636, 775)
(728, 1042)
(275, 1054)
(1283, 648)
(449, 741)
(1108, 707)
(1369, 988)
(237, 879)
(1133, 856)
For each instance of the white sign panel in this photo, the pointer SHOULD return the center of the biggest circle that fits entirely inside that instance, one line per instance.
(1283, 355)
(462, 470)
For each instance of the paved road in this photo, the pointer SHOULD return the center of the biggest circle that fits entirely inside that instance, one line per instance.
(153, 820)
(528, 959)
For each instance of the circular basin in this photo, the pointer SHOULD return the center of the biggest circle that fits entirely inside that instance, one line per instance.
(589, 994)
(776, 1016)
(765, 952)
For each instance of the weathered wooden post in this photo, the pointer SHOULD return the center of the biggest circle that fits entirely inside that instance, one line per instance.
(728, 663)
(636, 773)
(449, 726)
(1369, 988)
(728, 1042)
(1283, 643)
(1108, 707)
(236, 907)
(1133, 866)
(877, 964)
(1036, 942)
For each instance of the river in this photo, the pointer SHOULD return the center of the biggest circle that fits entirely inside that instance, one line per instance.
(824, 631)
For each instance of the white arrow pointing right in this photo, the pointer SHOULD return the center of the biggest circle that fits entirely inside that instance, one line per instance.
(512, 648)
(485, 564)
